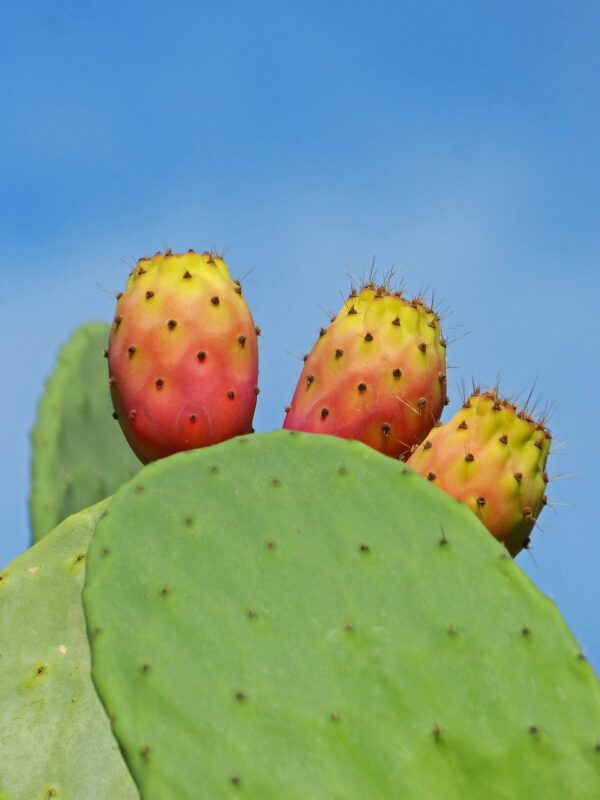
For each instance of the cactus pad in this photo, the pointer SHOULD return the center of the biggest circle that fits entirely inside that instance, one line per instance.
(79, 454)
(55, 740)
(312, 619)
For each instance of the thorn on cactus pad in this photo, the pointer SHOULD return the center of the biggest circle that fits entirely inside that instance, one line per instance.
(534, 730)
(242, 340)
(105, 353)
(339, 353)
(131, 350)
(322, 331)
(427, 445)
(239, 695)
(118, 319)
(257, 331)
(149, 295)
(518, 476)
(431, 476)
(481, 501)
(201, 355)
(368, 337)
(421, 403)
(235, 779)
(115, 415)
(423, 347)
(362, 387)
(187, 274)
(385, 428)
(305, 357)
(159, 383)
(132, 414)
(257, 390)
(525, 631)
(503, 439)
(397, 373)
(310, 379)
(396, 321)
(215, 300)
(462, 426)
(469, 458)
(324, 413)
(171, 324)
(437, 732)
(364, 548)
(192, 418)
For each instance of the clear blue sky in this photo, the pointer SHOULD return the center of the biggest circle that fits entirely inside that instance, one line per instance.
(457, 142)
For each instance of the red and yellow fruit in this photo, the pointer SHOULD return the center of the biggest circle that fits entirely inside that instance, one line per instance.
(377, 373)
(182, 355)
(492, 457)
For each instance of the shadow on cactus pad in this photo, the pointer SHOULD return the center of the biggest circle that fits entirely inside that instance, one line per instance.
(294, 616)
(55, 739)
(79, 454)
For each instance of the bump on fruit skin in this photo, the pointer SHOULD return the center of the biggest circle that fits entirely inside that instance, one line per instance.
(492, 457)
(182, 355)
(380, 371)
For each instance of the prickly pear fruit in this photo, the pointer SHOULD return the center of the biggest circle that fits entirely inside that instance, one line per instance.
(377, 373)
(182, 355)
(492, 457)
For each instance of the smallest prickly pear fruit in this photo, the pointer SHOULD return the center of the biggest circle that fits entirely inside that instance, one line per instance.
(492, 457)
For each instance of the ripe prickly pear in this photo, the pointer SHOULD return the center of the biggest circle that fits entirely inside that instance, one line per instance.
(492, 457)
(182, 355)
(376, 374)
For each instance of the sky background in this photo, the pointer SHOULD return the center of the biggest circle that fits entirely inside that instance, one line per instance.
(457, 142)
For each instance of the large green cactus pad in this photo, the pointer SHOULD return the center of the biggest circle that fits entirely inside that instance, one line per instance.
(55, 739)
(79, 454)
(292, 616)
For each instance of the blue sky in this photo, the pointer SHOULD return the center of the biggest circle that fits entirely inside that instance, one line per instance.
(457, 142)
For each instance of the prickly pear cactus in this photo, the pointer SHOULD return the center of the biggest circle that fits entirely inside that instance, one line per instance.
(312, 619)
(55, 739)
(79, 455)
(183, 355)
(376, 374)
(492, 457)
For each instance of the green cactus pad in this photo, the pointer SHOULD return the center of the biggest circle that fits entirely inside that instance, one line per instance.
(55, 740)
(79, 454)
(294, 616)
